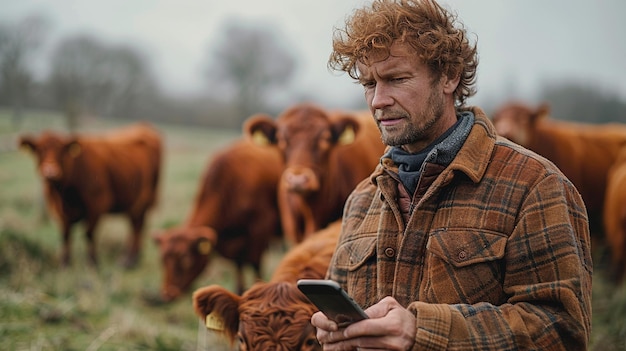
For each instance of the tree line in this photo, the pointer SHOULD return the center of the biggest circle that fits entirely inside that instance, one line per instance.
(88, 76)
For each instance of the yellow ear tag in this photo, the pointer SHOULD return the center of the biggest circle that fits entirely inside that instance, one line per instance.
(347, 136)
(75, 149)
(259, 138)
(214, 322)
(204, 247)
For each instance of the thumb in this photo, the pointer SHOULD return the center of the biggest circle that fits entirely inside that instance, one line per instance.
(383, 307)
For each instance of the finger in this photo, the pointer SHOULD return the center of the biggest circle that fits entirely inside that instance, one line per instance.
(320, 321)
(335, 338)
(383, 307)
(323, 337)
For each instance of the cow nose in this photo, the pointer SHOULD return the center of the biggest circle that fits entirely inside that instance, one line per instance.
(297, 180)
(50, 171)
(301, 180)
(170, 292)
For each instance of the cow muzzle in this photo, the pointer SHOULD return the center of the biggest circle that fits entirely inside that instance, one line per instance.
(170, 292)
(301, 180)
(50, 171)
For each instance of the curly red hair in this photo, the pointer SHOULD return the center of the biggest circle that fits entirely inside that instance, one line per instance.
(438, 38)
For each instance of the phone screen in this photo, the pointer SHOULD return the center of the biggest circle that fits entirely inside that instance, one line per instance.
(333, 301)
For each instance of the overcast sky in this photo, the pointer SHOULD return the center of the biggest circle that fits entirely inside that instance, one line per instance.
(522, 43)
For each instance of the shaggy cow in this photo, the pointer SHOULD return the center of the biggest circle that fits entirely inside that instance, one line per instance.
(87, 176)
(326, 155)
(584, 152)
(273, 315)
(615, 215)
(235, 214)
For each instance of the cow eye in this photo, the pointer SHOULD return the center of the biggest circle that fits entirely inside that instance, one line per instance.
(186, 263)
(310, 342)
(282, 144)
(241, 343)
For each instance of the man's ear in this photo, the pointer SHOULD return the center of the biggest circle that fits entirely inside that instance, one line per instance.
(450, 84)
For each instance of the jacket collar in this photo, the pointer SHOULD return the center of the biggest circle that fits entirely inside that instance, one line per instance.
(473, 157)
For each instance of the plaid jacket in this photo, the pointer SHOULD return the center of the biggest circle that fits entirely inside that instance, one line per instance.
(495, 255)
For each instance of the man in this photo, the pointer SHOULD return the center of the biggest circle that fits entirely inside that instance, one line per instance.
(460, 239)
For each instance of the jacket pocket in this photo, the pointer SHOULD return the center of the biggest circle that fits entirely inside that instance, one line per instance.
(463, 247)
(353, 254)
(464, 266)
(355, 268)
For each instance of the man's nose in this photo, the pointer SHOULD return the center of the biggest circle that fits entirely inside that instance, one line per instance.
(381, 97)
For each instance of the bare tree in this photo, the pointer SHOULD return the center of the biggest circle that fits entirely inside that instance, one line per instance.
(250, 62)
(18, 43)
(583, 102)
(89, 77)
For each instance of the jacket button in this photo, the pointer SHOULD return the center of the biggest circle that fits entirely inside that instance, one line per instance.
(462, 255)
(390, 252)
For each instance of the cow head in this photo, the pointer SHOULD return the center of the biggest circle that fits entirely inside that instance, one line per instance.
(306, 136)
(516, 121)
(54, 154)
(268, 316)
(184, 255)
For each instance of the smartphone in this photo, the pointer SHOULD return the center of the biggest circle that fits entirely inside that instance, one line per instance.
(332, 300)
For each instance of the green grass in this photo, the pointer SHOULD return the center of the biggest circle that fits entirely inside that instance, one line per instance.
(44, 307)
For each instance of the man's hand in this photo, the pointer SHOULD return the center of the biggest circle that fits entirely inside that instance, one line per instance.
(390, 327)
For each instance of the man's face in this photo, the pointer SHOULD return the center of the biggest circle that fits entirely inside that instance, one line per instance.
(411, 107)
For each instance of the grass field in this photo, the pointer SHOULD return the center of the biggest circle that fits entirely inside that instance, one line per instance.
(44, 307)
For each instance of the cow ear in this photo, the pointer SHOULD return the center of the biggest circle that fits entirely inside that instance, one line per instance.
(205, 240)
(218, 308)
(73, 147)
(203, 246)
(158, 237)
(27, 142)
(260, 129)
(345, 129)
(542, 112)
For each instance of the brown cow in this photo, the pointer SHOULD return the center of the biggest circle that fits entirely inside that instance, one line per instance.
(273, 315)
(615, 215)
(584, 152)
(87, 176)
(235, 212)
(326, 155)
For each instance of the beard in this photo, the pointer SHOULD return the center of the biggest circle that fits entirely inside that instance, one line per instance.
(417, 128)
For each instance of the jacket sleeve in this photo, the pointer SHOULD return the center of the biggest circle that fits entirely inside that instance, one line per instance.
(548, 283)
